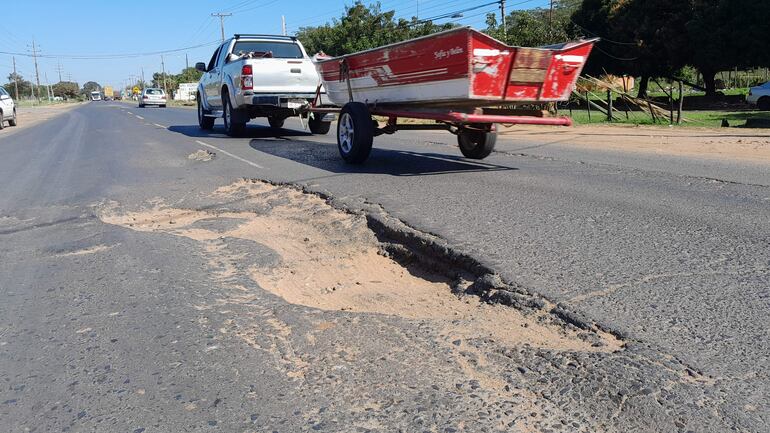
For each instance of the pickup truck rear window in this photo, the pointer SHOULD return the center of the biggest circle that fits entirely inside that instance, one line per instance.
(279, 50)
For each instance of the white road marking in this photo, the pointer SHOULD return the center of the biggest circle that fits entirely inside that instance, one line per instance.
(129, 112)
(253, 164)
(159, 126)
(139, 117)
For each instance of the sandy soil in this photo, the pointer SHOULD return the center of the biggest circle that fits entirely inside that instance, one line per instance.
(720, 143)
(30, 116)
(330, 260)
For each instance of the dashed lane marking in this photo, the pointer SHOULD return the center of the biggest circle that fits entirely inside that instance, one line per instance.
(129, 112)
(139, 117)
(253, 164)
(159, 125)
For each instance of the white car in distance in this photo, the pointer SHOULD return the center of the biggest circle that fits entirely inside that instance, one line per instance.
(152, 96)
(7, 109)
(760, 96)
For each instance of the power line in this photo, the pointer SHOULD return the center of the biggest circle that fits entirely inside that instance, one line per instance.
(109, 56)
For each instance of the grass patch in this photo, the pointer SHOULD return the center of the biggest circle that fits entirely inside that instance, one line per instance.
(707, 119)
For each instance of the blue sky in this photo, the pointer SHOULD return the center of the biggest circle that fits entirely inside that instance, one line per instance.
(70, 28)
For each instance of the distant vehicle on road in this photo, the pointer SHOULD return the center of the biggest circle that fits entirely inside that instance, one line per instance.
(760, 96)
(96, 95)
(152, 96)
(7, 109)
(108, 93)
(253, 76)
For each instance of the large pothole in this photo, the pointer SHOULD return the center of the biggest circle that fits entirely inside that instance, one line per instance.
(330, 259)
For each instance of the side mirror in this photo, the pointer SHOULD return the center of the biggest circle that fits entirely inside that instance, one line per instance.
(4, 97)
(200, 66)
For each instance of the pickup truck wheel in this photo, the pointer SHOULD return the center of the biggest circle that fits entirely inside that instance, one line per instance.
(275, 122)
(318, 126)
(232, 129)
(764, 103)
(205, 123)
(477, 144)
(355, 132)
(2, 121)
(12, 121)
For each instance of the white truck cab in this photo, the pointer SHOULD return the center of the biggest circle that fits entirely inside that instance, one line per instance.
(251, 76)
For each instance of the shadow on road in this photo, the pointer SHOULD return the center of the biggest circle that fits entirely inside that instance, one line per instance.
(381, 161)
(252, 131)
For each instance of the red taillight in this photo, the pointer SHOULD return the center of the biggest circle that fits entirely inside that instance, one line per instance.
(145, 97)
(247, 81)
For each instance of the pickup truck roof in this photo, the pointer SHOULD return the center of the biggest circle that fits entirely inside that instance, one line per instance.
(270, 37)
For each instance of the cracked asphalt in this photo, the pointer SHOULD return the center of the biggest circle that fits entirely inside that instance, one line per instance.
(107, 329)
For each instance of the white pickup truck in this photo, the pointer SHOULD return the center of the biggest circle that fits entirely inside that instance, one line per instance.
(258, 76)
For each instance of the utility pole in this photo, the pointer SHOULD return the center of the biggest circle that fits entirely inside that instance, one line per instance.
(222, 22)
(550, 20)
(37, 72)
(163, 71)
(283, 25)
(502, 17)
(186, 62)
(58, 69)
(142, 77)
(15, 79)
(49, 92)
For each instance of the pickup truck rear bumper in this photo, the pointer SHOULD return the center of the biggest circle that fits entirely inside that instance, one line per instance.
(283, 100)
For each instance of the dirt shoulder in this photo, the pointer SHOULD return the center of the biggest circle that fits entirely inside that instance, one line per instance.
(718, 143)
(31, 116)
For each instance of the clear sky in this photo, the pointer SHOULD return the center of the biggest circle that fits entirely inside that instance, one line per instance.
(66, 29)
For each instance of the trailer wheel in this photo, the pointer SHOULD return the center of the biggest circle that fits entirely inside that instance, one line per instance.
(275, 121)
(355, 132)
(477, 144)
(205, 122)
(232, 128)
(318, 126)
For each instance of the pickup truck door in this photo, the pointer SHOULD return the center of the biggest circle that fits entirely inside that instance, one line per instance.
(214, 84)
(208, 77)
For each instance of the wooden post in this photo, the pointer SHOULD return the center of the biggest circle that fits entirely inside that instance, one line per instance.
(588, 105)
(681, 104)
(609, 105)
(625, 91)
(671, 105)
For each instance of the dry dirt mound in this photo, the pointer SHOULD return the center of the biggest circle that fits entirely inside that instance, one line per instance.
(330, 259)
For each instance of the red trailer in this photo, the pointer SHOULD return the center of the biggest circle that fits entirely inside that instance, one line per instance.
(451, 77)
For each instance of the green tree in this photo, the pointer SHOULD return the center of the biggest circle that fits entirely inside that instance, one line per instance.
(362, 28)
(188, 75)
(25, 87)
(535, 27)
(646, 38)
(65, 89)
(728, 34)
(166, 81)
(90, 86)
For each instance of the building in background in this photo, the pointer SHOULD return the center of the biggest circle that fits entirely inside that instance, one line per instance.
(186, 92)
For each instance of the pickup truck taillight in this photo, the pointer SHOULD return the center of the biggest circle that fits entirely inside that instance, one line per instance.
(247, 81)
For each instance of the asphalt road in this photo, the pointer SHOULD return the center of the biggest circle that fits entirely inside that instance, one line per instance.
(673, 253)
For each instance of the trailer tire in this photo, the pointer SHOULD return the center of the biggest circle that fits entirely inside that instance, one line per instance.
(206, 123)
(276, 122)
(233, 129)
(318, 126)
(477, 144)
(355, 133)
